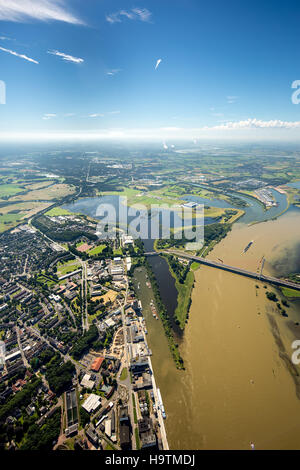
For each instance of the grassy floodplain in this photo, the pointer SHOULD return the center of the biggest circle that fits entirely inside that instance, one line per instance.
(57, 211)
(290, 293)
(165, 319)
(184, 295)
(9, 190)
(292, 195)
(22, 197)
(135, 196)
(13, 214)
(55, 191)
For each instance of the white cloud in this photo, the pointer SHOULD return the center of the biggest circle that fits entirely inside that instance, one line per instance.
(48, 116)
(42, 10)
(96, 115)
(268, 130)
(157, 63)
(67, 57)
(127, 14)
(171, 128)
(231, 99)
(256, 124)
(113, 18)
(21, 56)
(141, 14)
(113, 71)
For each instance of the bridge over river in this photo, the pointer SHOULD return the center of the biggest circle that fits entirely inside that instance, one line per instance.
(231, 269)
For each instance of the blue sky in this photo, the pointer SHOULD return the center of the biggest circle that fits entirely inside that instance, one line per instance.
(87, 68)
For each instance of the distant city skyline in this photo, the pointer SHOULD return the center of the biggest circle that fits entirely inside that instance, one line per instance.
(149, 70)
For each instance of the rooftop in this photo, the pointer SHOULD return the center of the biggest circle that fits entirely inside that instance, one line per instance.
(92, 403)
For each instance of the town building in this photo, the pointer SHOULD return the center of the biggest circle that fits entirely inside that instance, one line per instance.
(92, 403)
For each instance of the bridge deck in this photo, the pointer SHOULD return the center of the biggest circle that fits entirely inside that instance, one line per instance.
(232, 269)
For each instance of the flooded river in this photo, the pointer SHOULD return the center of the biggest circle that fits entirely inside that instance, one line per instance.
(238, 385)
(254, 211)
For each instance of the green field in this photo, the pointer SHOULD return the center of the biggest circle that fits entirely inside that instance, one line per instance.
(140, 197)
(42, 279)
(134, 409)
(183, 299)
(195, 266)
(96, 250)
(137, 439)
(287, 292)
(124, 373)
(184, 294)
(56, 211)
(9, 190)
(66, 268)
(9, 220)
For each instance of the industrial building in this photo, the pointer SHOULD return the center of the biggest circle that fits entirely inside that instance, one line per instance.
(92, 403)
(87, 382)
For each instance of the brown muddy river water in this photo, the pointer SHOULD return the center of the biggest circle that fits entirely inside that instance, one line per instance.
(239, 385)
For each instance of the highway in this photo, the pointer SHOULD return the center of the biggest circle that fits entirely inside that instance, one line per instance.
(231, 269)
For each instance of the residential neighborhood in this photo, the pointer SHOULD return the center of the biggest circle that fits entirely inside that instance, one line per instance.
(74, 355)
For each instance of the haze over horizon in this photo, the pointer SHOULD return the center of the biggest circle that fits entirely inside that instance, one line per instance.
(150, 70)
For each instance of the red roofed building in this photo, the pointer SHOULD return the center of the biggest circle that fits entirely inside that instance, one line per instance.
(18, 385)
(97, 363)
(51, 395)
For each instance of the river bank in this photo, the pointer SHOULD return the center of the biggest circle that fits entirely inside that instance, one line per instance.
(172, 332)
